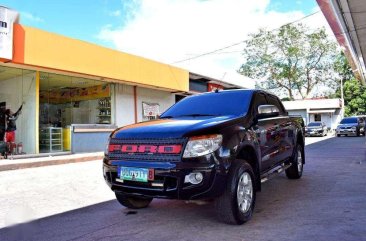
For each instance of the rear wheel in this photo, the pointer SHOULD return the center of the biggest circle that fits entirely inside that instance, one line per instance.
(295, 170)
(132, 201)
(237, 203)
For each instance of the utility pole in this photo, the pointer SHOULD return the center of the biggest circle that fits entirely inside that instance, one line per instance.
(342, 99)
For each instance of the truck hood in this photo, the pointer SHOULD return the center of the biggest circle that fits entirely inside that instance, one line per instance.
(171, 128)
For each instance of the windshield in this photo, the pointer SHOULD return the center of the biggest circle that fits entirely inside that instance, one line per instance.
(349, 120)
(212, 104)
(315, 124)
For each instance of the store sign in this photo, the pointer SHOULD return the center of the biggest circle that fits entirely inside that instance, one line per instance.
(67, 94)
(150, 109)
(212, 87)
(7, 19)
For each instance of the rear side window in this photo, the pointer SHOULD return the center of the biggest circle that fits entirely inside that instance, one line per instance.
(260, 99)
(272, 100)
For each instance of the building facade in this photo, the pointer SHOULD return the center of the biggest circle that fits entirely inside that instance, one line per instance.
(75, 93)
(329, 111)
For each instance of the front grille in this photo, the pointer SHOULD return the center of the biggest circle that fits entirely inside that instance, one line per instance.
(119, 155)
(346, 127)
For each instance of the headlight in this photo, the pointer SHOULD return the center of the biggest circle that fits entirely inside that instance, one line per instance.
(354, 127)
(202, 145)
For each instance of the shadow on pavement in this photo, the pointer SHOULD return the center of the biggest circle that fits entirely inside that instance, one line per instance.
(315, 207)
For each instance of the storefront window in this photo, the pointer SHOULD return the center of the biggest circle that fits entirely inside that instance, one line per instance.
(66, 100)
(18, 89)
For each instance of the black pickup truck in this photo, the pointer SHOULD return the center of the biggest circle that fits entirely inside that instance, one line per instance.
(220, 145)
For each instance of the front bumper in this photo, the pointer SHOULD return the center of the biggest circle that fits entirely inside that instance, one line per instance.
(314, 133)
(168, 180)
(348, 132)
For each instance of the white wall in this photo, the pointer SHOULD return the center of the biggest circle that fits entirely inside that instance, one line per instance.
(124, 102)
(301, 113)
(330, 119)
(14, 91)
(309, 104)
(163, 98)
(124, 105)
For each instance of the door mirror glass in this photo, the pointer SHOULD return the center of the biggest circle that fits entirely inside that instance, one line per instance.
(266, 111)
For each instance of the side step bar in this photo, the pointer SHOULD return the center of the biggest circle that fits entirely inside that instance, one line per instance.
(274, 172)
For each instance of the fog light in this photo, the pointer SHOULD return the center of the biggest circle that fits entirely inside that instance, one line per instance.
(193, 178)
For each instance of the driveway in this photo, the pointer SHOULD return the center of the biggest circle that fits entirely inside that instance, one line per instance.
(328, 203)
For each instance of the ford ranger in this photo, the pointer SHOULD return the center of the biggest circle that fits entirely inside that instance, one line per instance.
(220, 145)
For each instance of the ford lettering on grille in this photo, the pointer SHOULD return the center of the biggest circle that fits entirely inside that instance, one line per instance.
(147, 149)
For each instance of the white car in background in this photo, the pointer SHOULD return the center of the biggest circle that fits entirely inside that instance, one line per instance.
(351, 126)
(316, 128)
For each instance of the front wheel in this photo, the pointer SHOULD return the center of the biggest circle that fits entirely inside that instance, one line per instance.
(237, 203)
(132, 201)
(297, 164)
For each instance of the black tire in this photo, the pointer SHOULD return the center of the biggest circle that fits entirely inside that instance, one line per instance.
(358, 132)
(296, 169)
(338, 135)
(133, 202)
(227, 207)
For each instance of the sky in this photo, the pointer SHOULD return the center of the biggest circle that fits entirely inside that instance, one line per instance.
(169, 31)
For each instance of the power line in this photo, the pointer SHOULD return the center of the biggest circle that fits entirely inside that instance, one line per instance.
(361, 27)
(235, 44)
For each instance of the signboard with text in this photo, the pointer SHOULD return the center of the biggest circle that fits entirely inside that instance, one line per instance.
(150, 109)
(7, 19)
(212, 87)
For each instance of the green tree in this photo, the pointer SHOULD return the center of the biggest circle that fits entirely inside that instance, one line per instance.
(292, 59)
(354, 98)
(342, 67)
(354, 93)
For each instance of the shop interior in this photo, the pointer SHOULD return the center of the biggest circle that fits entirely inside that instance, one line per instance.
(66, 100)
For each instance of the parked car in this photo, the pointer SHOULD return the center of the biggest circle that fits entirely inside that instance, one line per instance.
(316, 128)
(219, 145)
(354, 126)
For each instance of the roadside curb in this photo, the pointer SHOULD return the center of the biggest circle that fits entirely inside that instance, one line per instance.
(56, 161)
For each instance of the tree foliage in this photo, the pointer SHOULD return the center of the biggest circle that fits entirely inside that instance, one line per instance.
(291, 59)
(354, 98)
(354, 93)
(342, 67)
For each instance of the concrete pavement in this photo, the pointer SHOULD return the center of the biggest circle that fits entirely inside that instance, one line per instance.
(327, 203)
(14, 164)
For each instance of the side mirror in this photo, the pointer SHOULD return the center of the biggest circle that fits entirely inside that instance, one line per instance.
(267, 111)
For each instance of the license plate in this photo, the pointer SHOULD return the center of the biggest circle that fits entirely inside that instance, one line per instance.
(134, 174)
